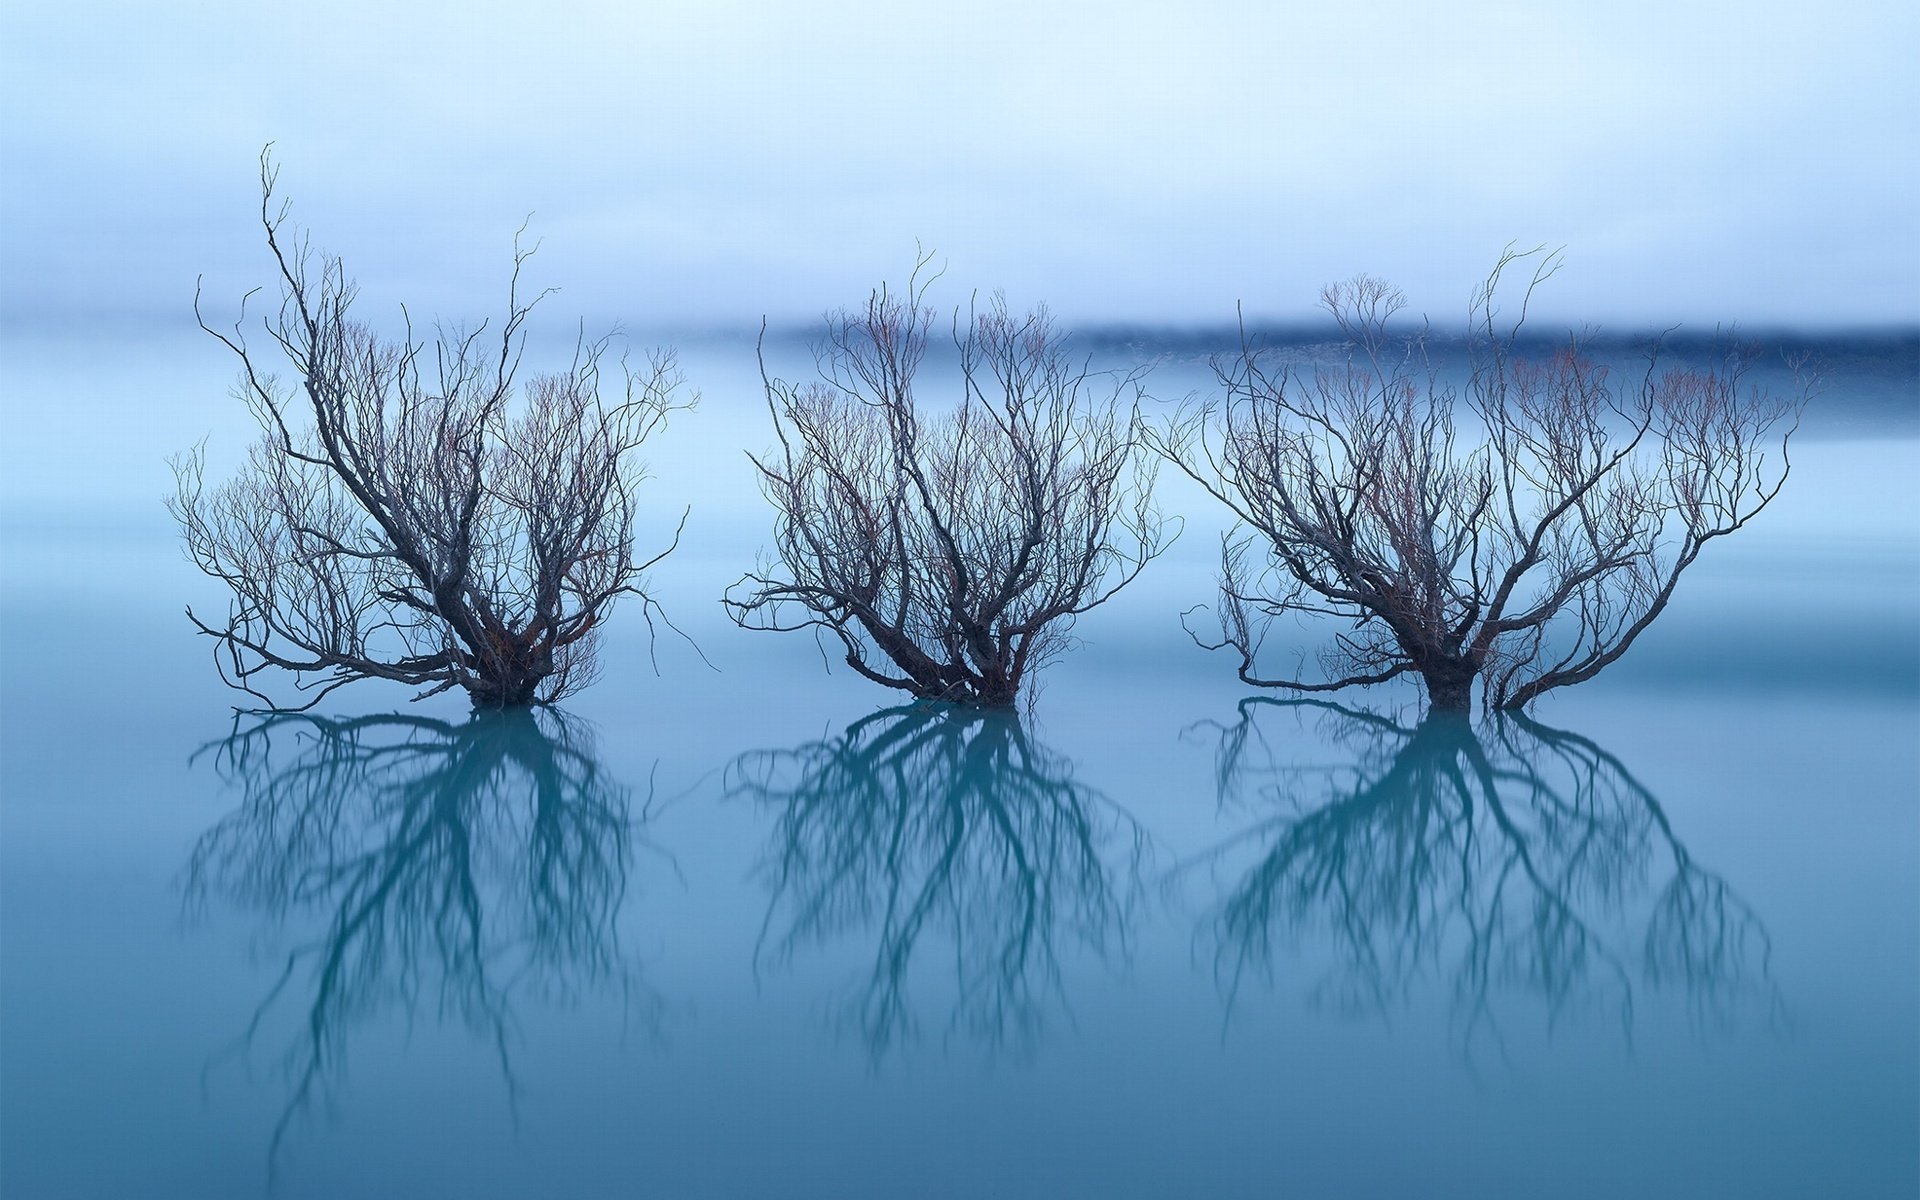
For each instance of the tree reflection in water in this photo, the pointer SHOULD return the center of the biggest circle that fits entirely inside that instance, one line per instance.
(426, 867)
(1523, 866)
(940, 826)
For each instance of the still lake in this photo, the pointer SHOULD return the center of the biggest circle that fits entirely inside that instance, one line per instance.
(757, 929)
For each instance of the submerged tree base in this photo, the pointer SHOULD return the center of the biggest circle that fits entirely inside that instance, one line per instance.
(519, 694)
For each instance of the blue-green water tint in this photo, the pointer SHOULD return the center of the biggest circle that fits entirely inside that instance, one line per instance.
(457, 867)
(934, 826)
(762, 931)
(1519, 871)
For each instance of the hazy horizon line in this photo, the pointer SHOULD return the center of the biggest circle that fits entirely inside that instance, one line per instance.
(1170, 334)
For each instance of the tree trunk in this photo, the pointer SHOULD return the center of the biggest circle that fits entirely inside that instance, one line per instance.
(1449, 687)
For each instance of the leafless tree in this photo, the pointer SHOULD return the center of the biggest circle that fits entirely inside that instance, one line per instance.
(949, 553)
(403, 516)
(1523, 866)
(1527, 545)
(944, 833)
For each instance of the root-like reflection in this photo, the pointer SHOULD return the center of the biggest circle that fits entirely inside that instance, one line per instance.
(419, 869)
(1522, 867)
(942, 833)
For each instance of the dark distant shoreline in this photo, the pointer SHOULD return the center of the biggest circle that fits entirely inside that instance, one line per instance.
(1893, 344)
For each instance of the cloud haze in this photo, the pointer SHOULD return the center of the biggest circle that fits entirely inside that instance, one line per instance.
(704, 164)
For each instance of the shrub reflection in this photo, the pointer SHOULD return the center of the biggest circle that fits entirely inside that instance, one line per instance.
(955, 842)
(1522, 866)
(424, 869)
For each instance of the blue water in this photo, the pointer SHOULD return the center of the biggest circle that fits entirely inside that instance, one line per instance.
(761, 930)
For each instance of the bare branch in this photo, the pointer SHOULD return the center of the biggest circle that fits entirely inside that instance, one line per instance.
(1522, 531)
(958, 547)
(414, 512)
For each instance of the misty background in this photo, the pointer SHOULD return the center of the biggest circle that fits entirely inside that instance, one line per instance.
(691, 167)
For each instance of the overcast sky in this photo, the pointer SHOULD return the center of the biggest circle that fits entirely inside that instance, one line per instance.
(704, 163)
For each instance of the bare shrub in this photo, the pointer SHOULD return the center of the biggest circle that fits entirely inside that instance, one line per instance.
(411, 512)
(949, 553)
(1522, 531)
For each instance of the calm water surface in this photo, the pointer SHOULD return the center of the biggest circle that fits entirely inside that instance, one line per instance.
(762, 931)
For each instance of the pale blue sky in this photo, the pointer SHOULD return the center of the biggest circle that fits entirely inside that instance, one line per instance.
(705, 163)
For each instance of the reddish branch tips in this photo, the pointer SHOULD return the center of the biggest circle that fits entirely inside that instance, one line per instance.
(949, 551)
(1520, 531)
(411, 511)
